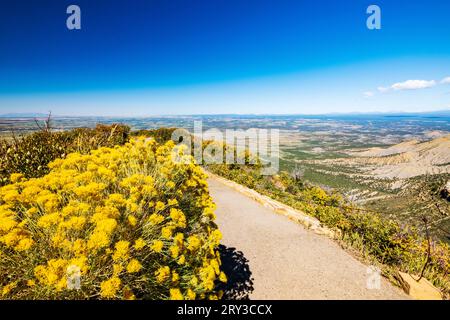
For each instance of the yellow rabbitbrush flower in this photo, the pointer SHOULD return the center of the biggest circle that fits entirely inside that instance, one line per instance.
(172, 202)
(122, 251)
(175, 294)
(175, 276)
(139, 244)
(101, 235)
(159, 206)
(157, 246)
(16, 177)
(174, 251)
(117, 269)
(110, 287)
(182, 260)
(190, 294)
(79, 247)
(179, 240)
(134, 266)
(116, 200)
(31, 283)
(91, 191)
(115, 219)
(132, 220)
(156, 219)
(53, 274)
(162, 274)
(75, 223)
(194, 243)
(178, 217)
(7, 289)
(167, 232)
(223, 277)
(7, 222)
(24, 244)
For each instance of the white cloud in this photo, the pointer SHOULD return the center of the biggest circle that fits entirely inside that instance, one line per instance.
(413, 85)
(409, 85)
(368, 94)
(383, 89)
(445, 80)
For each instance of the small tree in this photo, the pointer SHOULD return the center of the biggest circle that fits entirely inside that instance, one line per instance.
(297, 173)
(47, 123)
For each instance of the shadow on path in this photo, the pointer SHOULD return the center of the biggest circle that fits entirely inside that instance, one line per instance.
(240, 283)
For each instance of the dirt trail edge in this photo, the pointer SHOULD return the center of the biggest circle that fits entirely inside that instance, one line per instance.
(267, 256)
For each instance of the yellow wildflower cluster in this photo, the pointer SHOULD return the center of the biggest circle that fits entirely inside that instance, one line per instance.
(134, 221)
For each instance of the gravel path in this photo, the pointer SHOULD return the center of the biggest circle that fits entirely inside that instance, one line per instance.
(267, 256)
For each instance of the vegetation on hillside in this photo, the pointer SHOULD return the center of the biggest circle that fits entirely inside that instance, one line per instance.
(31, 154)
(151, 194)
(392, 245)
(129, 222)
(161, 135)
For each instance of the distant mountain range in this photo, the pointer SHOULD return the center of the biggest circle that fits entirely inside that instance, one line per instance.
(24, 115)
(442, 113)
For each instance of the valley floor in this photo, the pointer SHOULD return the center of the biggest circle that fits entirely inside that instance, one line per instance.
(267, 256)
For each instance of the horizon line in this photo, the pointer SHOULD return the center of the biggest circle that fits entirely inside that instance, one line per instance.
(40, 114)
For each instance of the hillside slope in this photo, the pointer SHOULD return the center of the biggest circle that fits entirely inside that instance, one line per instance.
(405, 160)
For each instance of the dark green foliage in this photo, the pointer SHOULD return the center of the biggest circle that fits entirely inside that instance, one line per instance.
(161, 135)
(30, 155)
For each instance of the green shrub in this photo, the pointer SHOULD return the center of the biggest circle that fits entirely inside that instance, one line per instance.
(31, 154)
(161, 135)
(126, 222)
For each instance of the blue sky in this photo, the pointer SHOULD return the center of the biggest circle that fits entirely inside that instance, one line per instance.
(153, 57)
